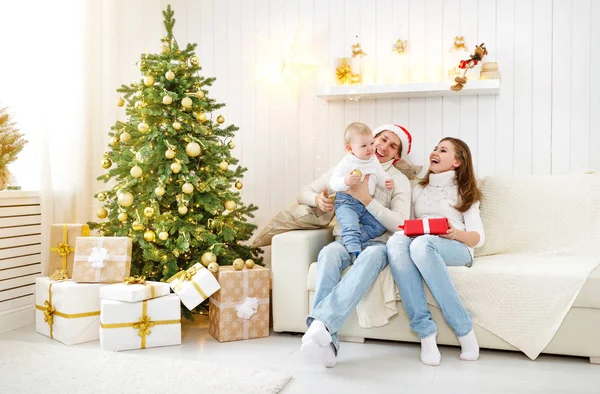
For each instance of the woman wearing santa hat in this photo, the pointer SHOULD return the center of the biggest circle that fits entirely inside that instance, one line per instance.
(337, 296)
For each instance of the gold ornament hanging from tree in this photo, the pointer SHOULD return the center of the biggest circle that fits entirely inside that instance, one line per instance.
(224, 165)
(193, 149)
(143, 127)
(102, 213)
(239, 185)
(125, 137)
(136, 171)
(175, 167)
(230, 205)
(120, 102)
(137, 226)
(170, 75)
(165, 49)
(200, 94)
(187, 188)
(182, 210)
(220, 119)
(125, 199)
(231, 145)
(195, 61)
(159, 191)
(187, 102)
(148, 212)
(122, 216)
(201, 117)
(106, 163)
(167, 100)
(163, 235)
(149, 80)
(149, 235)
(101, 196)
(113, 141)
(170, 153)
(177, 125)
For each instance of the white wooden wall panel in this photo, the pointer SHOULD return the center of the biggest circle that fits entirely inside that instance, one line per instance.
(545, 120)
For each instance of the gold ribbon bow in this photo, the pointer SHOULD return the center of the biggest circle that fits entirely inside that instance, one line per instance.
(48, 313)
(63, 249)
(59, 275)
(140, 280)
(343, 73)
(184, 276)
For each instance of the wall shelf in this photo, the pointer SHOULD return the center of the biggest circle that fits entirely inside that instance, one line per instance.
(405, 90)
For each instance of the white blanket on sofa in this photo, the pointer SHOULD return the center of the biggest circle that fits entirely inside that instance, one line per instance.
(521, 298)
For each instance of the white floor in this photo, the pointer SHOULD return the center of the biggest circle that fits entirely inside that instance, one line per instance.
(378, 366)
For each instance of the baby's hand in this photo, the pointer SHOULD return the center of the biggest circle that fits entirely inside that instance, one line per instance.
(351, 179)
(389, 184)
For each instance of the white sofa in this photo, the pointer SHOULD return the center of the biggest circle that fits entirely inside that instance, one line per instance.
(521, 215)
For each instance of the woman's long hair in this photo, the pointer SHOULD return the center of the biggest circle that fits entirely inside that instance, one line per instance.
(466, 182)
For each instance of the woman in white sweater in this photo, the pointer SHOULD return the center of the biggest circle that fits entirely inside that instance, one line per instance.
(448, 190)
(337, 296)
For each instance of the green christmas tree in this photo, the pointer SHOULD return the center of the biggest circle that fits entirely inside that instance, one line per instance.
(176, 185)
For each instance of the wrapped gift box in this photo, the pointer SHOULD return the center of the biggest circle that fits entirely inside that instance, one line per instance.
(433, 226)
(194, 285)
(139, 325)
(66, 311)
(62, 246)
(102, 259)
(134, 289)
(240, 310)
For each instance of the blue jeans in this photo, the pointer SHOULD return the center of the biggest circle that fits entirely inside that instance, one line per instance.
(413, 260)
(337, 296)
(358, 225)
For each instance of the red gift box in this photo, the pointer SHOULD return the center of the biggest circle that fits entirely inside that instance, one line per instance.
(433, 226)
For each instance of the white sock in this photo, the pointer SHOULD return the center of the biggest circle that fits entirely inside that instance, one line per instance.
(317, 332)
(317, 354)
(430, 354)
(469, 347)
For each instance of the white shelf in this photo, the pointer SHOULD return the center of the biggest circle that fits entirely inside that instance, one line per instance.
(417, 89)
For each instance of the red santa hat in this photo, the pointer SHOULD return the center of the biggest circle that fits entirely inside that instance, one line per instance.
(402, 133)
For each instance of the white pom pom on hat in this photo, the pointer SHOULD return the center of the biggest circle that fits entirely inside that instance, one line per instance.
(402, 133)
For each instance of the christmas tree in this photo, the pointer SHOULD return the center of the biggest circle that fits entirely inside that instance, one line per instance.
(175, 184)
(11, 144)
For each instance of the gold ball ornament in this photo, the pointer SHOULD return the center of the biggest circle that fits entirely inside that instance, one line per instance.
(230, 205)
(239, 185)
(182, 210)
(193, 149)
(194, 61)
(148, 211)
(207, 258)
(165, 49)
(159, 191)
(170, 153)
(143, 127)
(167, 100)
(238, 264)
(187, 188)
(200, 94)
(149, 236)
(177, 125)
(201, 117)
(120, 102)
(102, 213)
(122, 216)
(249, 263)
(106, 163)
(149, 80)
(136, 171)
(125, 199)
(186, 102)
(231, 145)
(101, 196)
(113, 141)
(175, 167)
(163, 235)
(125, 137)
(213, 267)
(220, 119)
(137, 226)
(356, 172)
(224, 165)
(170, 75)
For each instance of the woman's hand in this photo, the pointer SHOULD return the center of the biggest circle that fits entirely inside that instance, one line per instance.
(324, 203)
(360, 191)
(452, 233)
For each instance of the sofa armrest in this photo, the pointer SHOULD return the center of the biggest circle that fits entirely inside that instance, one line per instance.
(292, 253)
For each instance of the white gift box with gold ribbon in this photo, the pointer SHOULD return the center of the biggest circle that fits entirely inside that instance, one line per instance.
(139, 325)
(194, 285)
(66, 311)
(135, 289)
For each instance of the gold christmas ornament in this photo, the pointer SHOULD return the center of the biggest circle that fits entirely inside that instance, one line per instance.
(170, 75)
(101, 196)
(148, 80)
(165, 49)
(193, 149)
(186, 102)
(249, 263)
(224, 165)
(143, 127)
(239, 185)
(182, 210)
(201, 117)
(238, 264)
(200, 94)
(136, 171)
(213, 267)
(177, 125)
(195, 61)
(170, 153)
(122, 216)
(113, 141)
(137, 226)
(220, 119)
(125, 199)
(163, 235)
(148, 211)
(207, 258)
(106, 163)
(125, 137)
(175, 167)
(231, 145)
(149, 236)
(230, 205)
(167, 100)
(120, 102)
(159, 191)
(102, 213)
(356, 172)
(187, 188)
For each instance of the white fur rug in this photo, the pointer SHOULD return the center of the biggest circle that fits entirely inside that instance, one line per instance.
(35, 368)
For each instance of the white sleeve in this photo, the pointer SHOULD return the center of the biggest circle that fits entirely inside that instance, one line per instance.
(309, 193)
(337, 182)
(382, 176)
(472, 218)
(399, 209)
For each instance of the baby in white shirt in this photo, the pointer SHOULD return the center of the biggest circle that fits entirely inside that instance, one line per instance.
(357, 223)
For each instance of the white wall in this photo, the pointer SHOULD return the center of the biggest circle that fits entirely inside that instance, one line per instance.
(545, 120)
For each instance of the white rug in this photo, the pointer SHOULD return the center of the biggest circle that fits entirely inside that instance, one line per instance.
(35, 368)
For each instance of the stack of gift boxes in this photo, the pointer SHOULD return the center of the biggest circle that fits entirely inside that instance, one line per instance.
(90, 295)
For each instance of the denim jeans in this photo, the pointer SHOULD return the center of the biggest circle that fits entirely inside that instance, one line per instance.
(337, 296)
(413, 260)
(357, 224)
